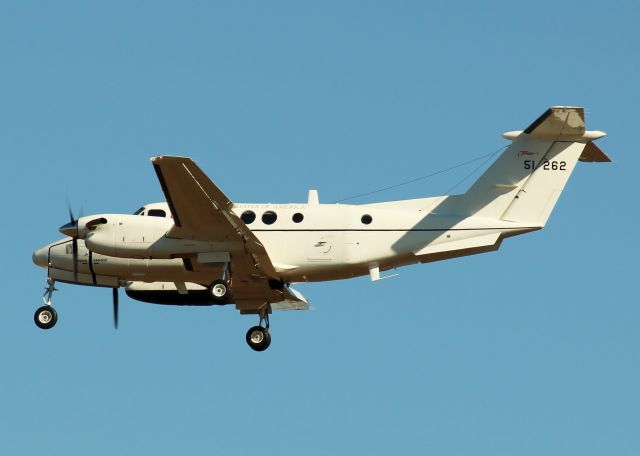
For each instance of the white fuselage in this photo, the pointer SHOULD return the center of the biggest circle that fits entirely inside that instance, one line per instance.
(200, 248)
(331, 241)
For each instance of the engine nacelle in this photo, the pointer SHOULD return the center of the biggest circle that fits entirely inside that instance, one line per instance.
(131, 236)
(167, 293)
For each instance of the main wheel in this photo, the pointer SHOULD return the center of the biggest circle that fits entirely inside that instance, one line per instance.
(258, 338)
(45, 317)
(219, 291)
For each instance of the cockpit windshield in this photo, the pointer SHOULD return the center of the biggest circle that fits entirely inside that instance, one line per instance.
(139, 211)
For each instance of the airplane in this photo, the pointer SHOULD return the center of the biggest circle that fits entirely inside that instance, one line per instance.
(199, 248)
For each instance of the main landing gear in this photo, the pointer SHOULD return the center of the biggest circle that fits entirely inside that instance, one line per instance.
(258, 337)
(220, 291)
(46, 316)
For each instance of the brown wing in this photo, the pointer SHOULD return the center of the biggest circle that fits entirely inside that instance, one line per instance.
(202, 212)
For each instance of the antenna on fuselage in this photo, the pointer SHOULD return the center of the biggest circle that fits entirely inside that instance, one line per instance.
(313, 197)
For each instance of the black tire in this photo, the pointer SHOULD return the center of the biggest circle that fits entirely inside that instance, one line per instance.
(45, 317)
(219, 291)
(258, 338)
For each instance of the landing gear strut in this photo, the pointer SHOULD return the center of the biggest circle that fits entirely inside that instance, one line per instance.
(258, 337)
(46, 316)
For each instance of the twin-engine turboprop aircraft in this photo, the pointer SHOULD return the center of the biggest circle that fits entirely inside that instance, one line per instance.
(199, 248)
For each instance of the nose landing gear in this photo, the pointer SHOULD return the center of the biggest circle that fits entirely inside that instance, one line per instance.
(46, 316)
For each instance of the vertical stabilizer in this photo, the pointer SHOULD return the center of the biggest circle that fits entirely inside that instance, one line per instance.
(524, 183)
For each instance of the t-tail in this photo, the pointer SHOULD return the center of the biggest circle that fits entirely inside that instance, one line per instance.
(524, 183)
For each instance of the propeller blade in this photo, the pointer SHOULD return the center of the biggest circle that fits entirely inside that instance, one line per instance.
(71, 217)
(71, 229)
(115, 308)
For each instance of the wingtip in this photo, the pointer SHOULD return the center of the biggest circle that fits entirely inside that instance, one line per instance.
(168, 157)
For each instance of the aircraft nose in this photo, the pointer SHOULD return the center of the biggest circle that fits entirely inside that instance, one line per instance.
(41, 257)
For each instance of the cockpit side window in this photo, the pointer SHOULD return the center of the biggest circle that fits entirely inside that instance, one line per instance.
(156, 213)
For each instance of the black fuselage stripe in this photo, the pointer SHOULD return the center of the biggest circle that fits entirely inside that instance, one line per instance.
(406, 230)
(93, 274)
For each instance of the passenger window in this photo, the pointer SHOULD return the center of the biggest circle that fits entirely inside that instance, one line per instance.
(297, 217)
(366, 219)
(156, 213)
(269, 217)
(248, 217)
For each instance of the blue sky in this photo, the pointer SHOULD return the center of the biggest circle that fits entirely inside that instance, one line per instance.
(530, 350)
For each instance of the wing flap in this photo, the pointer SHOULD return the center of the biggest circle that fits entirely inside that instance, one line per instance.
(253, 301)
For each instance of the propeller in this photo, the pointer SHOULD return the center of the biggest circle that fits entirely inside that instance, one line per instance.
(115, 307)
(71, 229)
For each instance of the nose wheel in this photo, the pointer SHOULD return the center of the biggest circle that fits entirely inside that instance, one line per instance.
(46, 316)
(258, 337)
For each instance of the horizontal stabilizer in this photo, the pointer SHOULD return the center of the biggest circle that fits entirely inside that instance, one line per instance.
(593, 153)
(558, 122)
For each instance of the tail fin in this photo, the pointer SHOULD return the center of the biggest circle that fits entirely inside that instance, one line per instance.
(524, 184)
